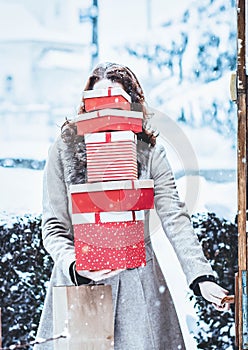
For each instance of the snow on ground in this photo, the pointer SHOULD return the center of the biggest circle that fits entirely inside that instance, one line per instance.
(219, 198)
(25, 149)
(21, 191)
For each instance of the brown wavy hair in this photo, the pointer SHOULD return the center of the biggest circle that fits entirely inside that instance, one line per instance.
(123, 75)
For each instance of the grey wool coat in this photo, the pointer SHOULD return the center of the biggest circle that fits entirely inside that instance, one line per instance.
(145, 318)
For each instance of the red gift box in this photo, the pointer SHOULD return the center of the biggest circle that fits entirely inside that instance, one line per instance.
(106, 98)
(111, 156)
(109, 240)
(108, 120)
(112, 196)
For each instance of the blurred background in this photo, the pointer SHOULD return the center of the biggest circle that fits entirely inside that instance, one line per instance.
(183, 52)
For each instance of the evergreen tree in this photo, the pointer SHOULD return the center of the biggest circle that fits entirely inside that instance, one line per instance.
(24, 272)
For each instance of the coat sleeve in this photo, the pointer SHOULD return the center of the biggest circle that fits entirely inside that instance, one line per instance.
(57, 232)
(176, 220)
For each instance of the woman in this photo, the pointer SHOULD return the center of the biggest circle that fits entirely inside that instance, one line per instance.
(146, 320)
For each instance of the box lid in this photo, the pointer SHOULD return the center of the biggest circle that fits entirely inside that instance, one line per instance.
(108, 112)
(110, 91)
(115, 216)
(112, 185)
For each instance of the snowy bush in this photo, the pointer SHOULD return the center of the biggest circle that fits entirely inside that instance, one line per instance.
(25, 269)
(219, 239)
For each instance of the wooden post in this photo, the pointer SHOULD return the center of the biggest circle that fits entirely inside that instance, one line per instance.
(241, 86)
(0, 328)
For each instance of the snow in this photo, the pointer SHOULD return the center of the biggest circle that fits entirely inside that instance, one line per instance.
(28, 149)
(21, 191)
(202, 152)
(194, 97)
(141, 15)
(220, 198)
(18, 24)
(64, 60)
(21, 188)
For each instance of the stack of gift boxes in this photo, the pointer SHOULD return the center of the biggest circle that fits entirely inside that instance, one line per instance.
(108, 210)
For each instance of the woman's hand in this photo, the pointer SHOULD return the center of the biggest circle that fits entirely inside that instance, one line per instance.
(213, 293)
(99, 274)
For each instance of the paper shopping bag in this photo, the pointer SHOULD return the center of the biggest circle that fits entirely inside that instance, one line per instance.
(85, 314)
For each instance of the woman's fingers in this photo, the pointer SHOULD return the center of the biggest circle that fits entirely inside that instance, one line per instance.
(212, 292)
(225, 291)
(113, 273)
(98, 275)
(222, 307)
(229, 299)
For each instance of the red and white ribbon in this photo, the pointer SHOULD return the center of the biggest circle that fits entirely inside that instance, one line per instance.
(102, 217)
(112, 185)
(107, 137)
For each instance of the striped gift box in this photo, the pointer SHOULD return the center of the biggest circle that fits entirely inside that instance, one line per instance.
(111, 156)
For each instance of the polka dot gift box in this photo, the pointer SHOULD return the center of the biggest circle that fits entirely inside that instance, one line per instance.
(109, 240)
